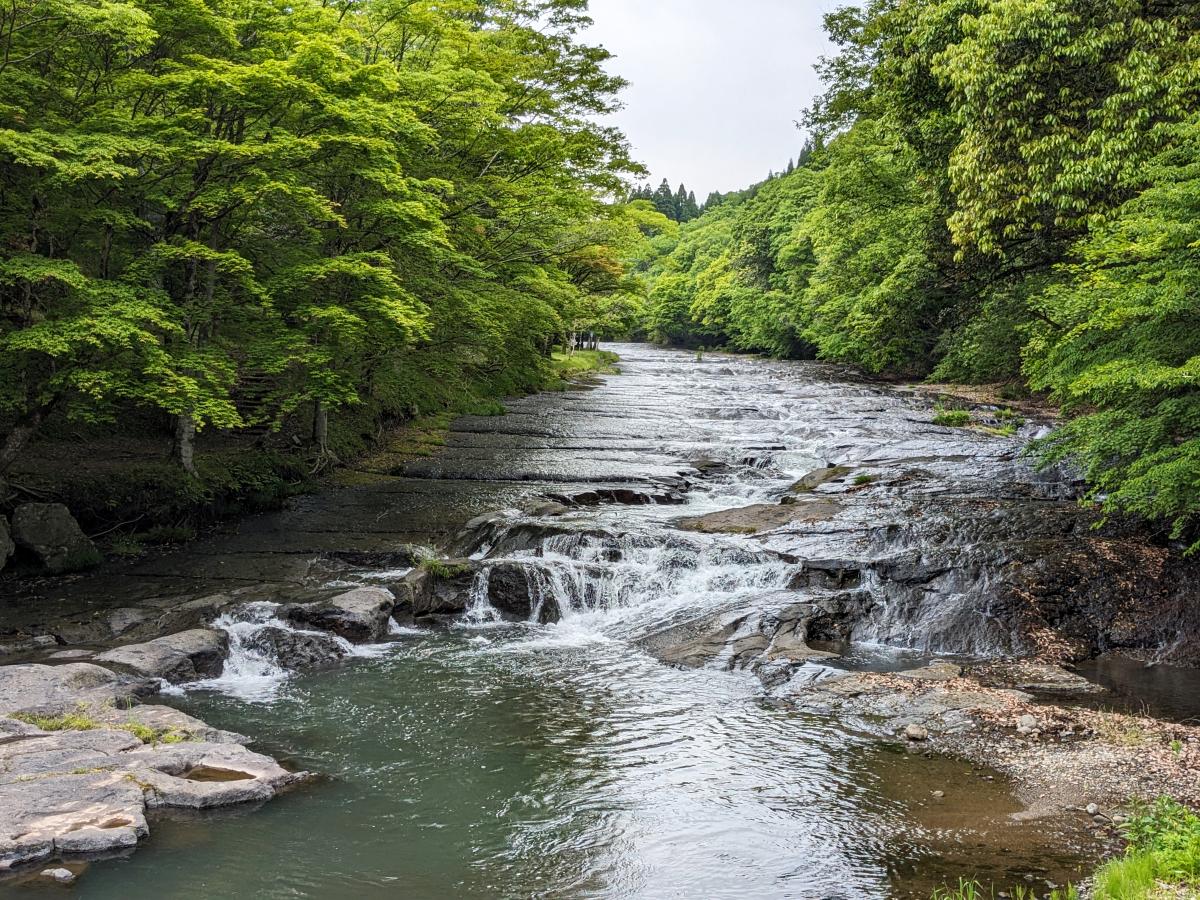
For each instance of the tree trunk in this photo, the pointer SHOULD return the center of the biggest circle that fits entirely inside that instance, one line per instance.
(22, 433)
(185, 443)
(320, 435)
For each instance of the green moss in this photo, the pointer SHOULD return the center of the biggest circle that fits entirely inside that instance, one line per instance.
(951, 418)
(442, 569)
(79, 720)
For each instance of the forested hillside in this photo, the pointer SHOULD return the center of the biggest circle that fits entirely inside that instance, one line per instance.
(227, 216)
(1006, 190)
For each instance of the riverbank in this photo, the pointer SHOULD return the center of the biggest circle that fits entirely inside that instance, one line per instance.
(131, 500)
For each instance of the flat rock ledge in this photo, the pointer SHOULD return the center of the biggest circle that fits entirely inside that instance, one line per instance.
(79, 769)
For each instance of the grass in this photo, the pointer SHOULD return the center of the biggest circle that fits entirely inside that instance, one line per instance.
(1008, 429)
(1163, 858)
(973, 890)
(79, 720)
(1115, 728)
(951, 418)
(1162, 861)
(565, 368)
(864, 479)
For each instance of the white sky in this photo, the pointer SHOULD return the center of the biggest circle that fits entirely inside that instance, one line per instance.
(716, 85)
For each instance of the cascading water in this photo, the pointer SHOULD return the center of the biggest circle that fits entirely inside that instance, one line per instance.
(252, 671)
(513, 759)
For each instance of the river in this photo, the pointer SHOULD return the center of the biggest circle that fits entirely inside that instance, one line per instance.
(494, 759)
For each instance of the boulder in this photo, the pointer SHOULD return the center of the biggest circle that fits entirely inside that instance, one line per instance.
(360, 616)
(186, 656)
(818, 477)
(916, 732)
(296, 649)
(6, 542)
(443, 589)
(54, 689)
(511, 591)
(50, 533)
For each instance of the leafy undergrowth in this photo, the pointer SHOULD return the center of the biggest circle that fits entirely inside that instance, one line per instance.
(1163, 859)
(568, 368)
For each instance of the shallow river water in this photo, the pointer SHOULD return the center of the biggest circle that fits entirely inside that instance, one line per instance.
(493, 760)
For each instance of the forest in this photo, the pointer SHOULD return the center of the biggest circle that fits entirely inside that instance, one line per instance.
(996, 191)
(228, 217)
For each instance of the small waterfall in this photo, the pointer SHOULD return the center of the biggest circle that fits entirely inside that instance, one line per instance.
(250, 672)
(623, 583)
(480, 610)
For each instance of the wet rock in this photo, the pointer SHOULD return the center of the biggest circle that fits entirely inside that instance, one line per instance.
(547, 509)
(125, 618)
(698, 643)
(7, 547)
(54, 689)
(440, 589)
(360, 616)
(761, 517)
(818, 477)
(626, 496)
(51, 535)
(512, 590)
(71, 654)
(186, 656)
(296, 649)
(195, 613)
(706, 466)
(61, 875)
(827, 573)
(1046, 678)
(916, 733)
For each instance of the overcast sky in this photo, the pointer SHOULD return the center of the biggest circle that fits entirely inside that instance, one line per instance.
(716, 85)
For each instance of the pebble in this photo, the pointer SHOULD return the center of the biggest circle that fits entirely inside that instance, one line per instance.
(916, 733)
(1092, 809)
(61, 875)
(939, 794)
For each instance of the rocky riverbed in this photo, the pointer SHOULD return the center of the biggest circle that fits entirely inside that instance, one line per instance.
(805, 537)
